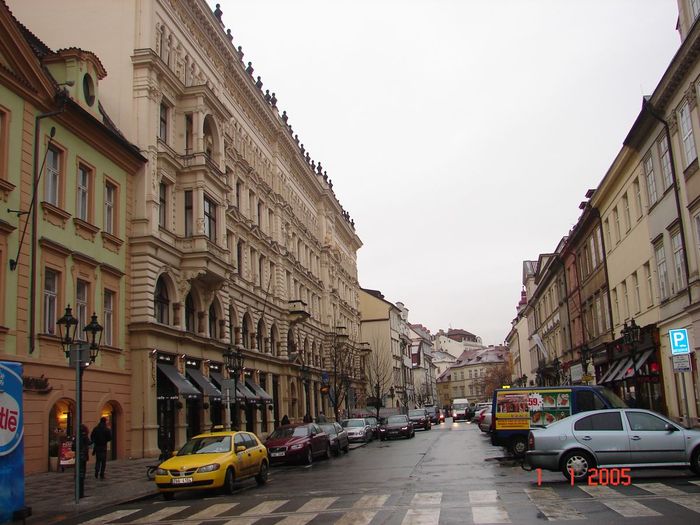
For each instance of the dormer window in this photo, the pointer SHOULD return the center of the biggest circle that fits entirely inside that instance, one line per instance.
(88, 89)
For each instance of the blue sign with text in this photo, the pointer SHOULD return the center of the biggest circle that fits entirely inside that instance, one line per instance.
(679, 341)
(11, 440)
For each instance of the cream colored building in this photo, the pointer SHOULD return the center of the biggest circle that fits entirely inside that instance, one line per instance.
(237, 236)
(466, 377)
(518, 344)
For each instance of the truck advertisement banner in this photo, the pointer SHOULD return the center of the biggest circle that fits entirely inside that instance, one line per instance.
(11, 441)
(521, 410)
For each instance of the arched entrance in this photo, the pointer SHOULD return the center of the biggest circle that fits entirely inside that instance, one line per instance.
(112, 412)
(61, 423)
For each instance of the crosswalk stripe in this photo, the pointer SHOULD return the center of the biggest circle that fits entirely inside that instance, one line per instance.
(317, 504)
(356, 517)
(551, 505)
(660, 489)
(297, 519)
(427, 498)
(242, 521)
(212, 510)
(695, 482)
(421, 516)
(112, 516)
(266, 507)
(160, 514)
(483, 496)
(689, 501)
(600, 491)
(371, 502)
(629, 508)
(489, 514)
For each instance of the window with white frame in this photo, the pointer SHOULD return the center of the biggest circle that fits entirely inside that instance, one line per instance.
(593, 252)
(650, 285)
(163, 122)
(650, 180)
(82, 198)
(678, 261)
(626, 211)
(637, 295)
(606, 312)
(665, 156)
(686, 128)
(52, 176)
(50, 300)
(625, 299)
(599, 315)
(110, 198)
(637, 190)
(661, 269)
(81, 307)
(108, 317)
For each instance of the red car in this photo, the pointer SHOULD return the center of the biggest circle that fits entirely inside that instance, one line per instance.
(303, 443)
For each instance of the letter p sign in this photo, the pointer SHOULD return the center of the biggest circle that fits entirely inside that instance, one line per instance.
(679, 341)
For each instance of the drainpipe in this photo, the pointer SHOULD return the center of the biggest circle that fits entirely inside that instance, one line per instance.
(652, 111)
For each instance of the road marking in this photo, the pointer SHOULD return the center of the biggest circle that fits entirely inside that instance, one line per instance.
(371, 502)
(112, 516)
(317, 504)
(426, 498)
(688, 501)
(297, 519)
(266, 507)
(483, 496)
(660, 489)
(356, 518)
(629, 508)
(489, 514)
(599, 491)
(422, 516)
(242, 521)
(695, 482)
(551, 505)
(211, 511)
(160, 514)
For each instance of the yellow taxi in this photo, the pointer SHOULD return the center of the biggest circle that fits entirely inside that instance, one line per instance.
(213, 460)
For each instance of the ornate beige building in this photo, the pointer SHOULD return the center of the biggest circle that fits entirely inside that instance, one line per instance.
(238, 238)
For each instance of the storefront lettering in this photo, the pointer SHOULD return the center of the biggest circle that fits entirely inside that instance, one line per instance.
(39, 385)
(8, 419)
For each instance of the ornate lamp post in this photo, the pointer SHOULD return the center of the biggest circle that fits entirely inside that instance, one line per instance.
(80, 355)
(631, 335)
(234, 362)
(306, 379)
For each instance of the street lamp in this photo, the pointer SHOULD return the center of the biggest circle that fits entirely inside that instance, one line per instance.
(234, 363)
(80, 355)
(306, 379)
(631, 335)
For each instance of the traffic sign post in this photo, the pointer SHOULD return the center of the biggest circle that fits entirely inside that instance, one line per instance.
(680, 356)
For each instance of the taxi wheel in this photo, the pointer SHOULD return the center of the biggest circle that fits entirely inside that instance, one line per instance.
(261, 478)
(229, 481)
(168, 496)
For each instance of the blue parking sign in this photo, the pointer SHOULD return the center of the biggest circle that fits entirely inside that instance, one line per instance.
(679, 341)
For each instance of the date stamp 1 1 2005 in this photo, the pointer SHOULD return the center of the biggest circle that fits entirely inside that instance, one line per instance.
(598, 477)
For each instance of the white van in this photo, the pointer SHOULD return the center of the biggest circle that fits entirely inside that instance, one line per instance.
(460, 409)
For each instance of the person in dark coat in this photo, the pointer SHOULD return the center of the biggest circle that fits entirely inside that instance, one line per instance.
(321, 418)
(285, 420)
(81, 462)
(100, 436)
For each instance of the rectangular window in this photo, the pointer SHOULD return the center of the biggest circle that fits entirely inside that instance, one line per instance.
(188, 133)
(82, 200)
(651, 180)
(637, 295)
(606, 225)
(108, 317)
(616, 224)
(110, 201)
(665, 156)
(593, 252)
(239, 189)
(678, 261)
(616, 307)
(52, 176)
(650, 286)
(162, 204)
(239, 257)
(686, 129)
(599, 316)
(163, 128)
(606, 312)
(625, 299)
(260, 214)
(50, 300)
(210, 219)
(626, 211)
(662, 271)
(81, 308)
(599, 239)
(637, 190)
(189, 217)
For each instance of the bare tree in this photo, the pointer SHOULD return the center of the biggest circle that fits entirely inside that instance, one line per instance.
(496, 376)
(379, 372)
(339, 361)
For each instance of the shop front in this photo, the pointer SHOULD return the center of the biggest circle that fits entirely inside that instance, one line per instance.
(171, 388)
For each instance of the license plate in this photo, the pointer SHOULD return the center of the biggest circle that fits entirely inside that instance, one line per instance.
(181, 481)
(276, 454)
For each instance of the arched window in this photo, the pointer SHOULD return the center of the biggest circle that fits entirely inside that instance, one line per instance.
(189, 313)
(260, 336)
(161, 302)
(245, 331)
(213, 322)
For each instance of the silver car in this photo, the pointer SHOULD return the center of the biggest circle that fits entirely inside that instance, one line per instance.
(358, 430)
(627, 437)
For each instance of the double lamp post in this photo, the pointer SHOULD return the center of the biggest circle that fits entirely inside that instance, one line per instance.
(234, 362)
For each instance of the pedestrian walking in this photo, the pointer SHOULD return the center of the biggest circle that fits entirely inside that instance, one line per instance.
(81, 462)
(321, 418)
(100, 436)
(285, 420)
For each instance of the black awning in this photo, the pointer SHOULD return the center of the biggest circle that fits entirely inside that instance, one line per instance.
(263, 396)
(205, 386)
(217, 379)
(180, 382)
(243, 393)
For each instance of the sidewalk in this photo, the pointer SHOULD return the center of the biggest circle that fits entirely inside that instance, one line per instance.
(51, 495)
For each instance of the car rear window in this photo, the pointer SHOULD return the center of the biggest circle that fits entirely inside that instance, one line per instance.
(600, 421)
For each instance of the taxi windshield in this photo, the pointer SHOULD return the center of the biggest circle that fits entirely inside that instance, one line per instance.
(206, 445)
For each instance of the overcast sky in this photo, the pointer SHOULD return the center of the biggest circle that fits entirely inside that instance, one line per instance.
(461, 135)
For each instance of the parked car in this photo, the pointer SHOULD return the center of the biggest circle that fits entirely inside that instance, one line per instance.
(420, 418)
(484, 420)
(613, 438)
(396, 426)
(337, 436)
(301, 442)
(517, 410)
(442, 415)
(373, 425)
(358, 429)
(434, 413)
(213, 460)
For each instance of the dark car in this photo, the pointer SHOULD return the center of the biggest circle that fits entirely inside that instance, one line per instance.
(434, 413)
(337, 436)
(303, 443)
(396, 426)
(420, 418)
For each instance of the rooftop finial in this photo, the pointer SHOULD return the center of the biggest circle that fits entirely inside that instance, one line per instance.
(296, 139)
(313, 165)
(267, 94)
(249, 69)
(319, 169)
(218, 12)
(285, 118)
(325, 176)
(273, 100)
(258, 83)
(229, 35)
(303, 150)
(240, 52)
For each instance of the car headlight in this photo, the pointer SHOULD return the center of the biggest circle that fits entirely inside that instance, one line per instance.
(209, 468)
(382, 430)
(404, 428)
(161, 472)
(297, 446)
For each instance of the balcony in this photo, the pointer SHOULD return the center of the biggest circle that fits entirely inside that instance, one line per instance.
(204, 257)
(297, 311)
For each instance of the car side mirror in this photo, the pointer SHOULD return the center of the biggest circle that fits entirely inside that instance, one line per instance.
(240, 448)
(670, 427)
